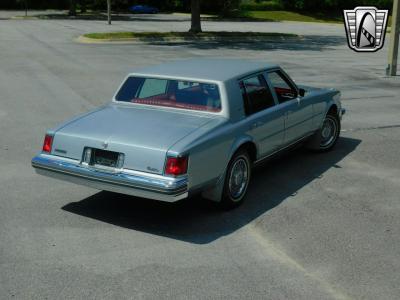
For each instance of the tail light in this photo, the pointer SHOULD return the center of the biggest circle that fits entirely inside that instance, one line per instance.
(176, 165)
(48, 141)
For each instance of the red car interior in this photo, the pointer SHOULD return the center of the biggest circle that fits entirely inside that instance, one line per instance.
(282, 91)
(189, 98)
(170, 101)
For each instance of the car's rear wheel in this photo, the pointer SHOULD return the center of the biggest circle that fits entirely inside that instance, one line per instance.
(326, 137)
(236, 180)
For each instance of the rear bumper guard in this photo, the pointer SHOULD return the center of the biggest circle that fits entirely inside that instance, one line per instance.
(123, 181)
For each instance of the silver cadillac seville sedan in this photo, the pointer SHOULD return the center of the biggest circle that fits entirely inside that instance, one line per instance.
(195, 126)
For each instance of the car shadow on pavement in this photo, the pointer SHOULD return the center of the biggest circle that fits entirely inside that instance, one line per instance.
(302, 43)
(198, 221)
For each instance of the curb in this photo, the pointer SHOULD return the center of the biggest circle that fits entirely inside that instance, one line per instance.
(86, 40)
(23, 18)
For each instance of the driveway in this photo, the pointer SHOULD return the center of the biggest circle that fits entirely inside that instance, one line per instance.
(315, 226)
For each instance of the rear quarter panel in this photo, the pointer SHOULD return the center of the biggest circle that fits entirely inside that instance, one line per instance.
(207, 149)
(210, 149)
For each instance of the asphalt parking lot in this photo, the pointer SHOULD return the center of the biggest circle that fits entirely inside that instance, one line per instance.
(314, 226)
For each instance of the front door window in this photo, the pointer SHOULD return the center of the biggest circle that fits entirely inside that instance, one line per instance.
(284, 89)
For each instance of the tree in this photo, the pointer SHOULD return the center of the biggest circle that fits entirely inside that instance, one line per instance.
(72, 8)
(25, 3)
(228, 6)
(83, 6)
(196, 22)
(26, 7)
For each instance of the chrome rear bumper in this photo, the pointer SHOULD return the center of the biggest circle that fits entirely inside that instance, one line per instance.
(122, 181)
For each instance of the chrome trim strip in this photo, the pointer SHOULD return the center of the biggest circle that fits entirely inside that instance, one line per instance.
(271, 135)
(159, 186)
(282, 149)
(298, 123)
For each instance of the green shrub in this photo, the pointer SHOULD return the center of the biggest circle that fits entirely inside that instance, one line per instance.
(333, 5)
(34, 4)
(262, 5)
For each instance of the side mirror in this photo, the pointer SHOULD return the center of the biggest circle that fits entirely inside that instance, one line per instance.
(302, 92)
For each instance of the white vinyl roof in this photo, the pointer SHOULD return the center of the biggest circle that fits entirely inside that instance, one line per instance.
(205, 69)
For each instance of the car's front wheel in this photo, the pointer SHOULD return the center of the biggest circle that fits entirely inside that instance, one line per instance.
(236, 180)
(326, 137)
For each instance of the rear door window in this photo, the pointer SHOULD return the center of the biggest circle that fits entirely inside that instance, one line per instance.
(256, 94)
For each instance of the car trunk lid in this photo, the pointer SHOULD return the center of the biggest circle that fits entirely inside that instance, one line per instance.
(142, 134)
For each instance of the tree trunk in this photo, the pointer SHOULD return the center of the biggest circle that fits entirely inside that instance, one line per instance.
(109, 12)
(196, 22)
(225, 8)
(228, 5)
(72, 8)
(83, 6)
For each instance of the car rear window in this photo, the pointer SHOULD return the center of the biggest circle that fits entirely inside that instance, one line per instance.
(171, 93)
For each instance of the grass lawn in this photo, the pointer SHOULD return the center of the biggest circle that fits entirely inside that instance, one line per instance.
(281, 15)
(183, 34)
